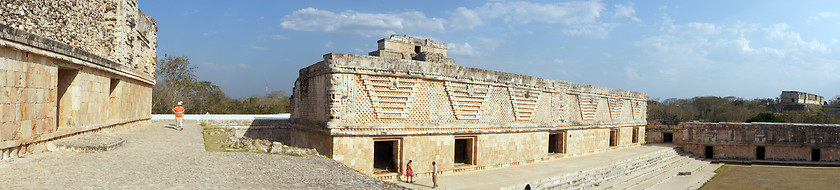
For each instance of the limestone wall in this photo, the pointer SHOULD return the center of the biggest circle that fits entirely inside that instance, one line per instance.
(114, 29)
(65, 70)
(739, 141)
(381, 93)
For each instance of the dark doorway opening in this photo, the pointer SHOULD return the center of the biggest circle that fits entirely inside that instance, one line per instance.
(417, 49)
(384, 159)
(635, 135)
(555, 143)
(668, 137)
(759, 153)
(815, 155)
(463, 151)
(710, 152)
(64, 95)
(613, 137)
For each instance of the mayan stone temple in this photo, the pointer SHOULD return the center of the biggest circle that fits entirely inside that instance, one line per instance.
(71, 67)
(408, 101)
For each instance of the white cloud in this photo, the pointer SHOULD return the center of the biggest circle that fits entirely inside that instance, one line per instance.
(366, 24)
(631, 74)
(626, 11)
(593, 30)
(278, 37)
(578, 12)
(822, 15)
(252, 46)
(462, 49)
(328, 44)
(783, 32)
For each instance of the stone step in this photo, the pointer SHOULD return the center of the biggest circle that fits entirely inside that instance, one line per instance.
(88, 143)
(693, 181)
(593, 177)
(640, 173)
(689, 165)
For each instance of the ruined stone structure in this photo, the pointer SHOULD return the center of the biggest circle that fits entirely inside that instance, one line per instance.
(374, 113)
(69, 67)
(794, 97)
(753, 141)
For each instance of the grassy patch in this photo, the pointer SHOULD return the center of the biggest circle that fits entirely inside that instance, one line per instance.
(213, 139)
(717, 173)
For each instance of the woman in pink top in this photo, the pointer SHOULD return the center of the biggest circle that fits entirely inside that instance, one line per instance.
(409, 173)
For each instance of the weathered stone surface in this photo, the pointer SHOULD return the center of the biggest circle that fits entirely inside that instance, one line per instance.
(740, 141)
(70, 67)
(90, 143)
(409, 95)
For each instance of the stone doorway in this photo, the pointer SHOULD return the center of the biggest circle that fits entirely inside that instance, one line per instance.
(759, 153)
(668, 137)
(464, 151)
(113, 101)
(385, 156)
(613, 137)
(815, 155)
(557, 143)
(65, 94)
(710, 152)
(635, 135)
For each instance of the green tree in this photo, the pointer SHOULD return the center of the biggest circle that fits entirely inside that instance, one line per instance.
(766, 117)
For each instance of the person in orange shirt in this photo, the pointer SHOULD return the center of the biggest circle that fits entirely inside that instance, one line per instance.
(179, 115)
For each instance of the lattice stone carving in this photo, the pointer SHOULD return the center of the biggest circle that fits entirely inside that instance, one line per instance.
(588, 106)
(524, 103)
(391, 96)
(615, 105)
(558, 103)
(637, 108)
(466, 99)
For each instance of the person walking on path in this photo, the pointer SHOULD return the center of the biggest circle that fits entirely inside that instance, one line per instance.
(434, 175)
(409, 173)
(179, 115)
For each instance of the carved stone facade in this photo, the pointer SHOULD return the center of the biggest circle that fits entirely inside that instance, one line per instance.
(360, 109)
(71, 67)
(753, 141)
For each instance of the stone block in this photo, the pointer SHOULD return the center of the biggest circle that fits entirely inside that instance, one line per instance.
(25, 129)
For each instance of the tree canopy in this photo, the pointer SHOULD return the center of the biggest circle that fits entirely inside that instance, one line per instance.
(177, 81)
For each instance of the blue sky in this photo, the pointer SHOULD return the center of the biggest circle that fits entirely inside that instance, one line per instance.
(668, 49)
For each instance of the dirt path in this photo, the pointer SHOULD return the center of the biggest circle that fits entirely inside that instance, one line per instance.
(156, 156)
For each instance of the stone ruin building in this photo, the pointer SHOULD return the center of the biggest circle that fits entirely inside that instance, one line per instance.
(794, 97)
(408, 101)
(69, 67)
(753, 142)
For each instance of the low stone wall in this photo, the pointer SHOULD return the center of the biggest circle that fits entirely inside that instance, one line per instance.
(274, 130)
(752, 141)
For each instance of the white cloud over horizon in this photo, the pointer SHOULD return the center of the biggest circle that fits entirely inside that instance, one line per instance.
(578, 18)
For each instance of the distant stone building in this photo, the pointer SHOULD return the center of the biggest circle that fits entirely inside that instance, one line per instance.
(752, 141)
(795, 97)
(69, 67)
(410, 102)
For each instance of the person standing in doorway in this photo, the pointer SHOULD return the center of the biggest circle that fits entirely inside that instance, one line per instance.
(179, 115)
(409, 173)
(434, 175)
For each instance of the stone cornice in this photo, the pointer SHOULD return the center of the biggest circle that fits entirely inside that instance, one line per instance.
(372, 65)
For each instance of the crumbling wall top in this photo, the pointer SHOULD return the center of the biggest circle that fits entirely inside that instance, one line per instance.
(407, 47)
(112, 29)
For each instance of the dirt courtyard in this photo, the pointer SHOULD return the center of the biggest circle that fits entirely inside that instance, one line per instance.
(774, 177)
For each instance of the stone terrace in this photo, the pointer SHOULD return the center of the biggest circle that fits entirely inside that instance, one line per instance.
(155, 156)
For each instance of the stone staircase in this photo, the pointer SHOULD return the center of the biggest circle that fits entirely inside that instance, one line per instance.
(643, 172)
